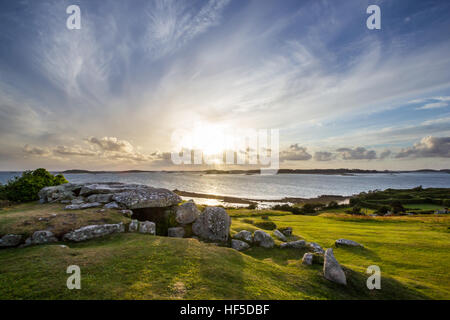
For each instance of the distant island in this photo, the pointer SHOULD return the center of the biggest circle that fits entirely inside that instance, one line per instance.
(257, 171)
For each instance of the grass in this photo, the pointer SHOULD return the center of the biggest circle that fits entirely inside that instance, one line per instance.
(29, 217)
(412, 253)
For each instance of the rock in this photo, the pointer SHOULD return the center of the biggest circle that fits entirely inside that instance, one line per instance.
(177, 232)
(263, 239)
(244, 235)
(239, 245)
(76, 201)
(57, 193)
(213, 224)
(315, 247)
(10, 240)
(146, 197)
(111, 205)
(93, 231)
(308, 259)
(147, 227)
(187, 213)
(332, 270)
(127, 213)
(102, 198)
(88, 189)
(134, 226)
(349, 243)
(298, 244)
(63, 246)
(41, 237)
(286, 231)
(82, 206)
(279, 235)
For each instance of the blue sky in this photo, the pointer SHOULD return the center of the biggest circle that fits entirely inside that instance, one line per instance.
(110, 95)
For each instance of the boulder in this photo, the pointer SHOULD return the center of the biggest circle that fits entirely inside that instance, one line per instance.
(315, 247)
(348, 243)
(186, 213)
(263, 239)
(286, 231)
(146, 197)
(308, 259)
(102, 198)
(213, 224)
(88, 189)
(332, 270)
(177, 232)
(134, 226)
(298, 244)
(279, 235)
(111, 205)
(65, 191)
(239, 245)
(10, 240)
(244, 235)
(41, 237)
(93, 231)
(74, 201)
(83, 206)
(147, 227)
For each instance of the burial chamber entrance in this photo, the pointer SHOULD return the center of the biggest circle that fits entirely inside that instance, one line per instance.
(164, 218)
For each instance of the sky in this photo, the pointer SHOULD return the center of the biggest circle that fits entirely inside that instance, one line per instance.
(112, 95)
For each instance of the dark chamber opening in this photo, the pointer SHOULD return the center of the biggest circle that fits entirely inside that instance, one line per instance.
(162, 217)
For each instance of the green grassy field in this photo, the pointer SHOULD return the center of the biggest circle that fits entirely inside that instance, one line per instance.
(412, 253)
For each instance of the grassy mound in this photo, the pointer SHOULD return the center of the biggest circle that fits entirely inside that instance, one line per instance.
(136, 266)
(412, 253)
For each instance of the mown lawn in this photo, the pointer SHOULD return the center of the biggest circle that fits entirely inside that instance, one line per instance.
(412, 253)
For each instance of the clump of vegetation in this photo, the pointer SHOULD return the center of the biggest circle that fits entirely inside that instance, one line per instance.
(265, 217)
(266, 225)
(26, 187)
(249, 221)
(307, 208)
(397, 207)
(287, 208)
(332, 205)
(383, 210)
(355, 210)
(252, 206)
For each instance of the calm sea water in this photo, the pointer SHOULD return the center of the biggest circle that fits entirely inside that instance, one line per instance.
(267, 187)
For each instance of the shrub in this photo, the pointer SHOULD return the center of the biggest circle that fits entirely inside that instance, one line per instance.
(266, 225)
(265, 217)
(249, 221)
(446, 202)
(308, 208)
(383, 210)
(397, 207)
(26, 187)
(333, 205)
(356, 210)
(252, 206)
(288, 208)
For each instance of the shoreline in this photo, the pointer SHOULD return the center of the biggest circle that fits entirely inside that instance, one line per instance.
(243, 200)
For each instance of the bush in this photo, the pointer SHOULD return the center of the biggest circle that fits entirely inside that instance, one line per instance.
(333, 205)
(26, 187)
(446, 202)
(252, 206)
(249, 221)
(397, 207)
(356, 210)
(288, 208)
(266, 225)
(308, 208)
(265, 217)
(383, 210)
